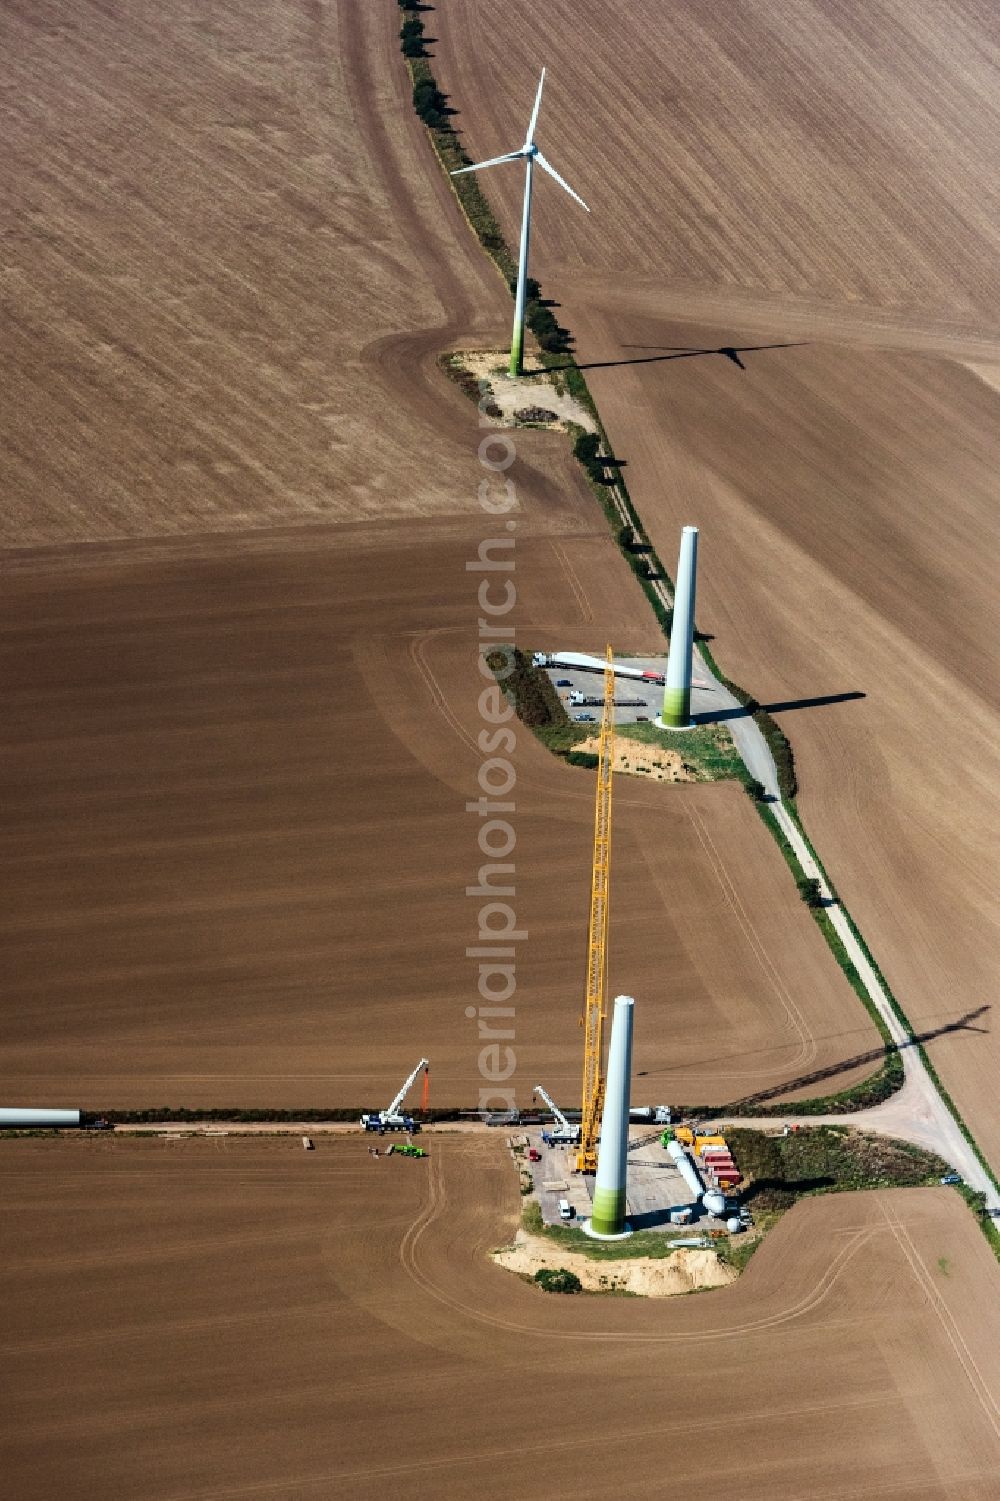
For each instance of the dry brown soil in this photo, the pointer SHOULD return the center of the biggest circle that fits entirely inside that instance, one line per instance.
(225, 277)
(205, 1321)
(236, 849)
(817, 174)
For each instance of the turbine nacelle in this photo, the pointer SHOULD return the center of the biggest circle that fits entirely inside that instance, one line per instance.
(529, 152)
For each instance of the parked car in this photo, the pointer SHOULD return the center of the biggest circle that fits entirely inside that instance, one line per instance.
(534, 1155)
(952, 1178)
(564, 682)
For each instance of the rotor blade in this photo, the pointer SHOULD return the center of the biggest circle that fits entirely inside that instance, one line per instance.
(534, 113)
(494, 161)
(540, 159)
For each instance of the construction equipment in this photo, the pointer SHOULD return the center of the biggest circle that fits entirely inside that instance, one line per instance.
(591, 700)
(407, 1149)
(565, 1133)
(391, 1119)
(597, 942)
(661, 1114)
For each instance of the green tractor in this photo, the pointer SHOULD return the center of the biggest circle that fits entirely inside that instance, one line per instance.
(407, 1149)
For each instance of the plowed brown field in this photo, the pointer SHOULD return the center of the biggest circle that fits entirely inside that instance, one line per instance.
(225, 283)
(816, 174)
(235, 763)
(204, 1320)
(236, 847)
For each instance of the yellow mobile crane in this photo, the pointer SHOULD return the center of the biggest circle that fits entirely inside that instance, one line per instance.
(597, 945)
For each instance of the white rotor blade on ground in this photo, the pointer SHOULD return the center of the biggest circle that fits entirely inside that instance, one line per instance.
(534, 113)
(494, 161)
(540, 159)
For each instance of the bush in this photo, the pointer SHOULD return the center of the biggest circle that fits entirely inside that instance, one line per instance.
(411, 37)
(558, 1281)
(582, 758)
(429, 103)
(755, 790)
(586, 449)
(809, 891)
(976, 1200)
(546, 330)
(825, 1159)
(527, 688)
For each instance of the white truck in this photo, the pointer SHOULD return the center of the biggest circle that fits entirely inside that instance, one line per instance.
(660, 1115)
(564, 1133)
(392, 1119)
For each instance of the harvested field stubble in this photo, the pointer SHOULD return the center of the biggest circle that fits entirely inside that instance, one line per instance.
(237, 849)
(796, 149)
(846, 487)
(224, 285)
(138, 1364)
(235, 768)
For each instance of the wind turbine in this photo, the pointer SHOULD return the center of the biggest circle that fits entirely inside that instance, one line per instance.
(530, 154)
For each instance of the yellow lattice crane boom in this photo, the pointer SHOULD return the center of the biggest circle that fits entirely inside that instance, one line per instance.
(597, 945)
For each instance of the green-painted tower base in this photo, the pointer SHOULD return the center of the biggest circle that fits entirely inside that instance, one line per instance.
(677, 708)
(608, 1217)
(517, 352)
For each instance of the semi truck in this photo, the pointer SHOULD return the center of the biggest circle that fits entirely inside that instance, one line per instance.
(660, 1115)
(578, 661)
(587, 700)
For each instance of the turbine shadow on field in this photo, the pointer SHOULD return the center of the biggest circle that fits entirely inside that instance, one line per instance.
(729, 352)
(743, 711)
(872, 1055)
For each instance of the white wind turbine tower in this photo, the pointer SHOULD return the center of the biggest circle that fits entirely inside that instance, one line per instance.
(530, 154)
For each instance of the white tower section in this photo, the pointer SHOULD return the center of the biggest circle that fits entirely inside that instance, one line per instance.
(677, 690)
(608, 1218)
